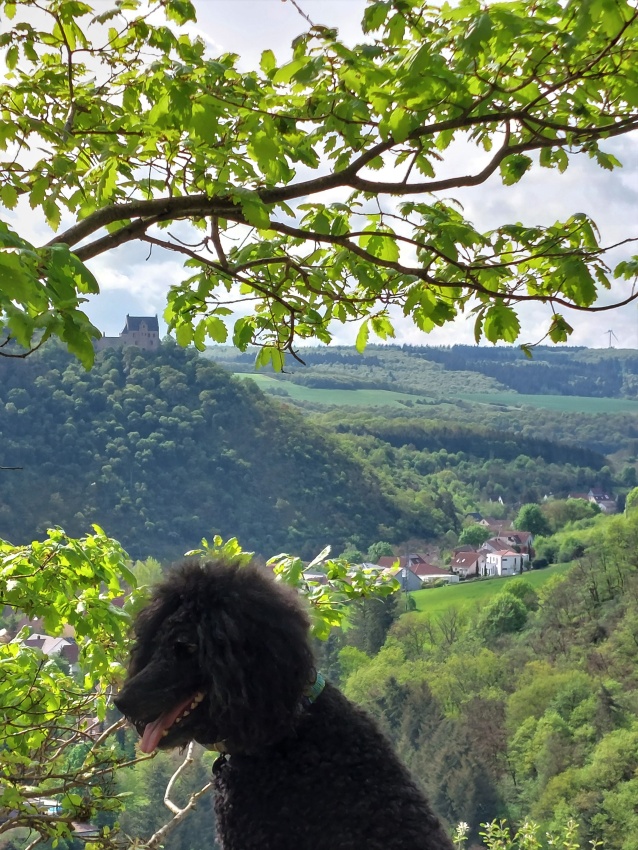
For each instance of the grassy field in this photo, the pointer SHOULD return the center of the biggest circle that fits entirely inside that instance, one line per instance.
(565, 404)
(387, 398)
(352, 398)
(469, 594)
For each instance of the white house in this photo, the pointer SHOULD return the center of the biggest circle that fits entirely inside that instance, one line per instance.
(505, 562)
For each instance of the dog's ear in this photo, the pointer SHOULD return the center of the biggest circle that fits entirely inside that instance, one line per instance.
(256, 656)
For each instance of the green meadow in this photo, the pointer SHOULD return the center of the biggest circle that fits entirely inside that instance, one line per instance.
(564, 404)
(387, 398)
(472, 593)
(351, 398)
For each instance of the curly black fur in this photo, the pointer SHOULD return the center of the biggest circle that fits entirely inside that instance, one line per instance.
(226, 649)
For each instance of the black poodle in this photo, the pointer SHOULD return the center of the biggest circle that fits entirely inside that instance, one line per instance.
(222, 656)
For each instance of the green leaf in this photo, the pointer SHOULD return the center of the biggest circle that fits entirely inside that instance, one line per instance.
(184, 334)
(51, 213)
(254, 210)
(38, 191)
(9, 196)
(269, 355)
(382, 326)
(362, 337)
(12, 56)
(501, 323)
(381, 245)
(559, 330)
(514, 167)
(15, 282)
(263, 149)
(216, 329)
(180, 11)
(420, 60)
(287, 72)
(243, 333)
(374, 16)
(607, 161)
(478, 33)
(268, 61)
(399, 124)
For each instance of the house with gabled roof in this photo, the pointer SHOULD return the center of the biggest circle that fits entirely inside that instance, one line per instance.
(604, 499)
(411, 560)
(66, 648)
(466, 564)
(413, 570)
(520, 541)
(495, 525)
(506, 562)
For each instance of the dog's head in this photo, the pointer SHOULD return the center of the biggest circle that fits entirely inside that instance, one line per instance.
(221, 655)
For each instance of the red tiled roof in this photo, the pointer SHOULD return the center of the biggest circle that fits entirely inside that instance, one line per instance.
(465, 559)
(391, 560)
(428, 570)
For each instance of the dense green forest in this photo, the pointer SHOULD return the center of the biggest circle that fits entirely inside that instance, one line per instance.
(163, 448)
(526, 707)
(564, 371)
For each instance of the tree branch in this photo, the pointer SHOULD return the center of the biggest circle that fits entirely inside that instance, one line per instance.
(178, 814)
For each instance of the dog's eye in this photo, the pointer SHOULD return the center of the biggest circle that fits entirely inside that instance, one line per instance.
(184, 647)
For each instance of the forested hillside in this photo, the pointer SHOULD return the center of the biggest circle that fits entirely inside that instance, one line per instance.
(604, 373)
(164, 448)
(607, 373)
(467, 465)
(525, 708)
(485, 388)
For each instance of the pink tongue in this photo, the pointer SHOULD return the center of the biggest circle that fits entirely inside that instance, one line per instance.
(153, 731)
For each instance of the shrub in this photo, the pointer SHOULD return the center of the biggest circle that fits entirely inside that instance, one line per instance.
(505, 613)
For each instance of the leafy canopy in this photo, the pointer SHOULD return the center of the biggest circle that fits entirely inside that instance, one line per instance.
(115, 124)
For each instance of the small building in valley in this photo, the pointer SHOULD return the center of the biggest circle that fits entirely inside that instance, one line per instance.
(413, 571)
(506, 562)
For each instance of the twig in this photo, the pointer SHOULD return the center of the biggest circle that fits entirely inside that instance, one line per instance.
(160, 835)
(183, 766)
(301, 12)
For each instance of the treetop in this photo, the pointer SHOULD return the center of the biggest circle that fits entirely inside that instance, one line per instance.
(316, 191)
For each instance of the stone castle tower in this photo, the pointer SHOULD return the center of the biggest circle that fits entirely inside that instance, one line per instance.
(142, 331)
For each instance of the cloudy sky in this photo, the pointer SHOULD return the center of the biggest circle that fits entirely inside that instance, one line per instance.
(136, 284)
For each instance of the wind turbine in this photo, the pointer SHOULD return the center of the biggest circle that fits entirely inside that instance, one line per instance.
(611, 333)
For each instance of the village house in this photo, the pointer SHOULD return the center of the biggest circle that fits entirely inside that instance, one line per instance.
(63, 647)
(505, 562)
(519, 541)
(505, 554)
(495, 525)
(413, 571)
(467, 563)
(605, 500)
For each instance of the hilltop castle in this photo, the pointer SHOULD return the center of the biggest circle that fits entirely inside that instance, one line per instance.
(142, 331)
